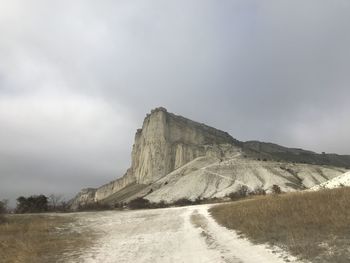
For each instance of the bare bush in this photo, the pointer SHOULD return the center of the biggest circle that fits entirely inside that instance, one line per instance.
(139, 203)
(54, 201)
(276, 190)
(142, 203)
(259, 191)
(183, 202)
(241, 192)
(3, 210)
(97, 206)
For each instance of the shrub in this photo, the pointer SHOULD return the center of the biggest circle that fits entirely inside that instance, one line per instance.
(139, 203)
(119, 205)
(276, 189)
(240, 193)
(56, 203)
(3, 207)
(32, 204)
(97, 206)
(161, 204)
(183, 202)
(3, 210)
(259, 191)
(198, 201)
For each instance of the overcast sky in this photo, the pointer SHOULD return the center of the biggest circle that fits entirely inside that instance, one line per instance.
(78, 77)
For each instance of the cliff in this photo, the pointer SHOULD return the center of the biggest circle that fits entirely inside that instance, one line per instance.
(164, 143)
(174, 157)
(167, 142)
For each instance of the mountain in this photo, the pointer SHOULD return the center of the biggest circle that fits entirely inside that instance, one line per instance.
(174, 157)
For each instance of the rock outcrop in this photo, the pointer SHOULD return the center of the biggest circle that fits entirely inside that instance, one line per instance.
(165, 143)
(174, 157)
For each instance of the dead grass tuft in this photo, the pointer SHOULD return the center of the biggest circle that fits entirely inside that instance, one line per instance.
(311, 225)
(37, 238)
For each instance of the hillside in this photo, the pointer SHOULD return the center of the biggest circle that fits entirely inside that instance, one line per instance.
(174, 157)
(339, 181)
(312, 226)
(280, 153)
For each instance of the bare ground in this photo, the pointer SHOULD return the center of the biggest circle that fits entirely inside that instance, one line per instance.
(186, 234)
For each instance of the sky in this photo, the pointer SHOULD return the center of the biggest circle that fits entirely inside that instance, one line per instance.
(78, 77)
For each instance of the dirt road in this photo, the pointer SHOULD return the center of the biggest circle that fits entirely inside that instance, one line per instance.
(187, 234)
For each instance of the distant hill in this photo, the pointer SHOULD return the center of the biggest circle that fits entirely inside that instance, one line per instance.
(280, 153)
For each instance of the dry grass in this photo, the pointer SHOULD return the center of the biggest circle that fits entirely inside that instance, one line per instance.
(311, 225)
(38, 238)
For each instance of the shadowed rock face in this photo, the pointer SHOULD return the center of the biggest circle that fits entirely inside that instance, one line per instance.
(174, 157)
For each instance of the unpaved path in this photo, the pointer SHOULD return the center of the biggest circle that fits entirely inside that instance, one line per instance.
(186, 234)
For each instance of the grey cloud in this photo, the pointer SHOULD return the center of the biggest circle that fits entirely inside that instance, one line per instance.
(77, 78)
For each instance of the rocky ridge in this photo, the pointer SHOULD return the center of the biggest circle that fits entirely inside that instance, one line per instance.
(174, 157)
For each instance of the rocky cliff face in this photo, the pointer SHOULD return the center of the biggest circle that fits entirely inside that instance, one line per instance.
(174, 157)
(165, 143)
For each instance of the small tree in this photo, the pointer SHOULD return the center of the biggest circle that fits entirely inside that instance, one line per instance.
(3, 210)
(276, 189)
(259, 191)
(55, 202)
(32, 204)
(240, 193)
(243, 191)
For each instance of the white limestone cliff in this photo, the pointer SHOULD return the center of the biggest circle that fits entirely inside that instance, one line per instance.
(174, 157)
(165, 143)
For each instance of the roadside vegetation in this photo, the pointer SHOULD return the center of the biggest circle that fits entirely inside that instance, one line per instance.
(39, 238)
(142, 203)
(3, 210)
(41, 204)
(311, 225)
(94, 207)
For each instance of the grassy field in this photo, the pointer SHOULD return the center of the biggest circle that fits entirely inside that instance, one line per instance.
(311, 225)
(38, 238)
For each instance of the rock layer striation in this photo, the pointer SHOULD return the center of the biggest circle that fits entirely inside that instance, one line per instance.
(163, 144)
(174, 157)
